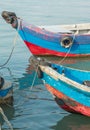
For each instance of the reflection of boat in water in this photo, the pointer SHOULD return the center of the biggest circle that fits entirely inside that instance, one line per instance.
(8, 111)
(73, 122)
(28, 77)
(66, 60)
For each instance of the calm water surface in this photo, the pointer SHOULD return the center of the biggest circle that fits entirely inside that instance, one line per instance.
(34, 109)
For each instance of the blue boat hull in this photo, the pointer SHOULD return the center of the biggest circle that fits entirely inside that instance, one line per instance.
(71, 41)
(42, 42)
(67, 103)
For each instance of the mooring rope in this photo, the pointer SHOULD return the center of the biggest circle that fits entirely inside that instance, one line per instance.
(33, 81)
(34, 78)
(5, 118)
(14, 44)
(67, 51)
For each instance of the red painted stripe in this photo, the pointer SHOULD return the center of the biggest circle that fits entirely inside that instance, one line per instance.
(73, 105)
(37, 50)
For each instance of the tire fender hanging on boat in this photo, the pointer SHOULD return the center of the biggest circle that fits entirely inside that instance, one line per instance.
(66, 41)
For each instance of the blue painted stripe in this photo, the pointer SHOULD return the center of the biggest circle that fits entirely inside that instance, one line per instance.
(75, 49)
(75, 94)
(74, 74)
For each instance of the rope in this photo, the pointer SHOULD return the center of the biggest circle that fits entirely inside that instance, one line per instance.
(34, 78)
(10, 53)
(30, 87)
(14, 43)
(67, 51)
(5, 118)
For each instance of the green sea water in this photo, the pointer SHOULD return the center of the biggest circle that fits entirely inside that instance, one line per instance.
(35, 109)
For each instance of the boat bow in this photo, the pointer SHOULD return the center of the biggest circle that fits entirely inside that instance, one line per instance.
(10, 18)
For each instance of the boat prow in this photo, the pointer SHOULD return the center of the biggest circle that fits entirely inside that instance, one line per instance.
(69, 87)
(54, 40)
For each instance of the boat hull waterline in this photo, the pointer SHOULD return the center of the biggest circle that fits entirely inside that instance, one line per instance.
(71, 100)
(69, 87)
(57, 40)
(67, 103)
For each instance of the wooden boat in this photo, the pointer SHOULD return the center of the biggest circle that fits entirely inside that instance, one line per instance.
(55, 40)
(69, 87)
(6, 92)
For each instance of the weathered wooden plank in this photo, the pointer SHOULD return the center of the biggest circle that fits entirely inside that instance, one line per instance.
(48, 70)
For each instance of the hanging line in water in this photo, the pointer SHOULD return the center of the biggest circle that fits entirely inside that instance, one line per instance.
(33, 81)
(31, 87)
(14, 44)
(34, 78)
(5, 118)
